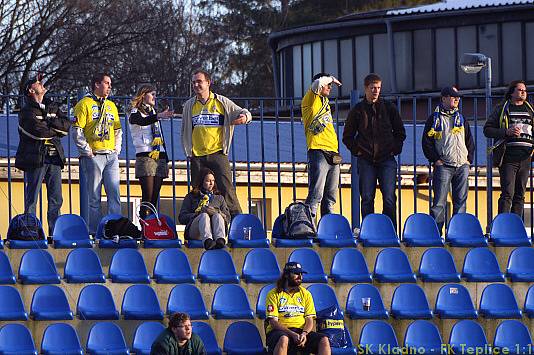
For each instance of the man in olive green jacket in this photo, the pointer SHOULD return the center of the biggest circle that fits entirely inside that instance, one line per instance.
(178, 338)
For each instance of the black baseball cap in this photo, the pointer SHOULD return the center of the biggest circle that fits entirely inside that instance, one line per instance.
(294, 267)
(450, 91)
(31, 81)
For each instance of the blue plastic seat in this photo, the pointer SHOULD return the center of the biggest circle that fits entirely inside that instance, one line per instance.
(260, 266)
(59, 339)
(168, 243)
(467, 336)
(11, 306)
(437, 265)
(38, 267)
(217, 266)
(144, 336)
(348, 265)
(204, 331)
(172, 267)
(231, 302)
(106, 338)
(423, 336)
(128, 266)
(243, 338)
(409, 302)
(354, 306)
(481, 265)
(521, 265)
(6, 272)
(311, 263)
(498, 301)
(465, 231)
(529, 303)
(262, 299)
(49, 302)
(323, 297)
(108, 243)
(258, 238)
(96, 302)
(454, 302)
(334, 231)
(378, 337)
(70, 231)
(514, 336)
(141, 302)
(508, 230)
(186, 298)
(392, 265)
(349, 349)
(378, 231)
(421, 230)
(16, 339)
(83, 266)
(280, 240)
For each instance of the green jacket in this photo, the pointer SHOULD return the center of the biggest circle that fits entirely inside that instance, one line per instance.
(166, 344)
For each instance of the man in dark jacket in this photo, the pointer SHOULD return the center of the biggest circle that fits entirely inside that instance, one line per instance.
(178, 338)
(374, 132)
(448, 145)
(40, 153)
(510, 125)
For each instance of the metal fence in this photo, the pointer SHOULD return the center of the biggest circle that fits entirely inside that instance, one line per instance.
(274, 142)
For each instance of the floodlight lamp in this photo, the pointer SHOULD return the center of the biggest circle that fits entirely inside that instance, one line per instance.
(472, 63)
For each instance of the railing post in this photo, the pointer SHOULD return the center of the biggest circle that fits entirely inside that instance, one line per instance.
(355, 178)
(84, 201)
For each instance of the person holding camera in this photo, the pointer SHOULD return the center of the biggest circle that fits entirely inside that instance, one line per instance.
(322, 144)
(151, 160)
(205, 213)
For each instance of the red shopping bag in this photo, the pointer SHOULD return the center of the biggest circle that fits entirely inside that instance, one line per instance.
(156, 228)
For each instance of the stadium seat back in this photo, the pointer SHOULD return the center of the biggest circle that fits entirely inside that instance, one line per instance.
(378, 230)
(243, 338)
(217, 266)
(355, 308)
(231, 302)
(311, 263)
(16, 339)
(61, 338)
(83, 266)
(260, 266)
(186, 298)
(141, 302)
(409, 302)
(38, 267)
(96, 302)
(128, 266)
(105, 338)
(144, 336)
(392, 265)
(49, 302)
(172, 266)
(348, 265)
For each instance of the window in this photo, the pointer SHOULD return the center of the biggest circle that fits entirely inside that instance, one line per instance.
(330, 62)
(445, 57)
(256, 208)
(346, 67)
(381, 60)
(297, 71)
(512, 67)
(317, 58)
(306, 67)
(423, 73)
(488, 39)
(466, 38)
(529, 38)
(363, 60)
(403, 60)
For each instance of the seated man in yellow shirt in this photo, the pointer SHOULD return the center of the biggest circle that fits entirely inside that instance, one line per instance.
(290, 317)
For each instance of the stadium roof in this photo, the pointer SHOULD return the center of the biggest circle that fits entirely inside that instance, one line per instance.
(453, 5)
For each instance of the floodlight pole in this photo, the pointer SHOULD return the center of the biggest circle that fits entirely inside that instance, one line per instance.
(489, 160)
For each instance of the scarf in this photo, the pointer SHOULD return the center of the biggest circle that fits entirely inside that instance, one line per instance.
(157, 137)
(437, 127)
(101, 129)
(205, 199)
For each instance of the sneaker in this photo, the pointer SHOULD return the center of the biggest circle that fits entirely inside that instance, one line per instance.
(209, 244)
(220, 243)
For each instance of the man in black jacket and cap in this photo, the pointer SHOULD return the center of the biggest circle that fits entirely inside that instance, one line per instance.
(40, 153)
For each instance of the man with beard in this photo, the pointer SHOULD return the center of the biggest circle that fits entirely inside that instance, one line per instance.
(290, 317)
(178, 338)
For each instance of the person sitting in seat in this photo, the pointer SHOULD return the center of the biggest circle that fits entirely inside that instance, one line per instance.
(178, 338)
(205, 213)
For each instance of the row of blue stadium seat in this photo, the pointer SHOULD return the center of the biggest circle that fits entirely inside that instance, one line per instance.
(140, 302)
(376, 337)
(260, 266)
(107, 338)
(377, 230)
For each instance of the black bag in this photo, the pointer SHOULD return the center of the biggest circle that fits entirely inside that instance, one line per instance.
(332, 158)
(122, 228)
(298, 222)
(25, 226)
(330, 323)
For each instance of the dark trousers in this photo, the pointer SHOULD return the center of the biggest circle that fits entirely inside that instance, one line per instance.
(513, 177)
(386, 174)
(219, 164)
(50, 172)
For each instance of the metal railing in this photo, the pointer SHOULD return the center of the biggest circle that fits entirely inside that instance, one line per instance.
(274, 144)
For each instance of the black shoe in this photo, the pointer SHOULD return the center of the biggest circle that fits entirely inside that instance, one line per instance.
(209, 244)
(220, 243)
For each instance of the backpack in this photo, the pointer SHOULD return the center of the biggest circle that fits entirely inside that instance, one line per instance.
(122, 228)
(25, 226)
(298, 222)
(330, 323)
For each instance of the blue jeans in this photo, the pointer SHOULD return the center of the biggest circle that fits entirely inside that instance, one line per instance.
(51, 173)
(386, 173)
(323, 180)
(102, 168)
(443, 177)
